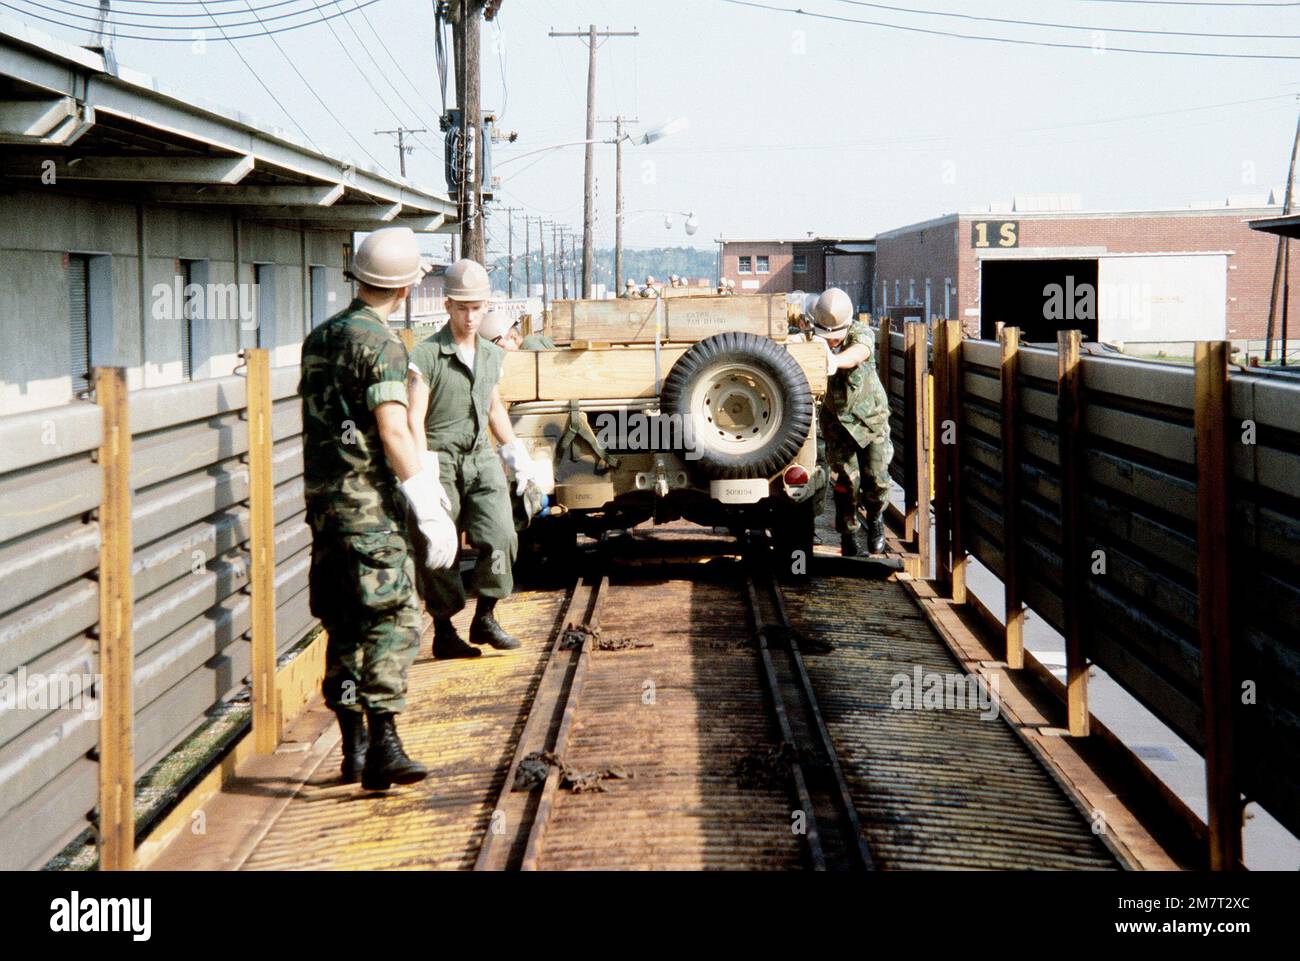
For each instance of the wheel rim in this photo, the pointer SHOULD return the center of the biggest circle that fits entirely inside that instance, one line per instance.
(737, 409)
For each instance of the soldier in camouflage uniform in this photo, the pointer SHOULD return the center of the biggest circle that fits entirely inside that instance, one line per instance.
(362, 468)
(853, 424)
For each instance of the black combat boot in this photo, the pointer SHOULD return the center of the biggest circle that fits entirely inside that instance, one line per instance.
(386, 760)
(447, 642)
(355, 742)
(484, 629)
(876, 533)
(849, 546)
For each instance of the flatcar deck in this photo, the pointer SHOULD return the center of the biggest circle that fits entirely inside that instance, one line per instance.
(675, 756)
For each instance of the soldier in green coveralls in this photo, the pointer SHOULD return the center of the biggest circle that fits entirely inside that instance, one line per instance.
(364, 473)
(454, 404)
(853, 425)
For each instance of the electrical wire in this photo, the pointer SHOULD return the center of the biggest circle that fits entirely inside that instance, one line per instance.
(269, 92)
(189, 30)
(1008, 40)
(400, 69)
(312, 90)
(1069, 26)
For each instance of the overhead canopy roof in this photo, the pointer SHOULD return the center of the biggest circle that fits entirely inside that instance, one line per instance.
(123, 135)
(1288, 226)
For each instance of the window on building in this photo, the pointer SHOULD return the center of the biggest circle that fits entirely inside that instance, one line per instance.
(193, 317)
(745, 265)
(79, 319)
(897, 298)
(761, 265)
(911, 290)
(264, 279)
(319, 297)
(90, 317)
(801, 263)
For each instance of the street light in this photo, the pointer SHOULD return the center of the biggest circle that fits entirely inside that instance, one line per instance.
(665, 129)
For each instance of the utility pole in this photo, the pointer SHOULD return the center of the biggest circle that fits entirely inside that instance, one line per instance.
(555, 259)
(541, 244)
(510, 248)
(590, 35)
(573, 247)
(528, 258)
(562, 264)
(465, 16)
(618, 198)
(402, 148)
(1282, 266)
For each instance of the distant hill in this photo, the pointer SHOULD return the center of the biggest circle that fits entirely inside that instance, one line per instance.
(660, 262)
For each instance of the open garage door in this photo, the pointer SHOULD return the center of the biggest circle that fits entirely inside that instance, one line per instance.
(1038, 296)
(1163, 298)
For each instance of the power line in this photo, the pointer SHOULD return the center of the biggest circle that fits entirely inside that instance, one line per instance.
(265, 32)
(269, 92)
(1009, 40)
(1069, 26)
(400, 69)
(346, 129)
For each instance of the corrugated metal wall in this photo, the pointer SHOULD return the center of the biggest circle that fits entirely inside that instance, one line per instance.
(190, 531)
(1140, 512)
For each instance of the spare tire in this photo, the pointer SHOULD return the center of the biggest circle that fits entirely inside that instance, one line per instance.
(746, 401)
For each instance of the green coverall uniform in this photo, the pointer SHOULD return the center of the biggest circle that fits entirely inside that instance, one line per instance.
(472, 475)
(362, 578)
(853, 436)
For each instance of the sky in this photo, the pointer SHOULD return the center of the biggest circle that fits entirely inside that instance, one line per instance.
(796, 125)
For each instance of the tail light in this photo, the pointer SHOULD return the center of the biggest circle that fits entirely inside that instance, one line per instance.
(796, 475)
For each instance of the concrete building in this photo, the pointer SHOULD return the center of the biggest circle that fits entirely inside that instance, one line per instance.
(810, 264)
(1044, 264)
(142, 229)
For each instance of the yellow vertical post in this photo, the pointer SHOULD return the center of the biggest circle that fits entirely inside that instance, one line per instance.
(1015, 610)
(1069, 426)
(261, 546)
(953, 343)
(1223, 800)
(408, 338)
(941, 461)
(915, 378)
(116, 657)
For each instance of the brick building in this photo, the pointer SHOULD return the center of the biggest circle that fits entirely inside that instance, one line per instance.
(810, 264)
(1121, 276)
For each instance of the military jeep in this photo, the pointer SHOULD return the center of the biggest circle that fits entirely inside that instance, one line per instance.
(684, 407)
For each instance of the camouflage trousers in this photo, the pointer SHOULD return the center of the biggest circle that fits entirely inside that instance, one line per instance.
(480, 508)
(858, 477)
(362, 587)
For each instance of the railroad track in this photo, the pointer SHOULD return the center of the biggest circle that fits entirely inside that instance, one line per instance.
(782, 748)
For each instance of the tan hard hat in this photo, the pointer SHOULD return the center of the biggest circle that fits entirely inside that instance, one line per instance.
(832, 314)
(649, 279)
(467, 280)
(388, 258)
(496, 324)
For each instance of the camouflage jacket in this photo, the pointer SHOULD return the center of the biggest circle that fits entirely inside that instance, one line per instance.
(855, 396)
(350, 364)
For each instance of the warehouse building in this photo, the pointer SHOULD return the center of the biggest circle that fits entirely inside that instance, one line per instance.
(809, 264)
(1043, 263)
(140, 229)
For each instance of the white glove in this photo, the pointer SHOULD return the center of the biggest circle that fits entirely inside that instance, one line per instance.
(426, 497)
(515, 456)
(832, 362)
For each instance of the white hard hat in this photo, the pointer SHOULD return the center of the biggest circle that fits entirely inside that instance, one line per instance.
(649, 279)
(832, 314)
(496, 324)
(810, 305)
(467, 280)
(388, 258)
(630, 283)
